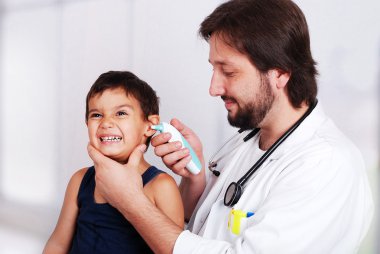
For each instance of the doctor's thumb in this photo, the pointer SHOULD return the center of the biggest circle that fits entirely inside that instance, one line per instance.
(182, 128)
(136, 155)
(94, 154)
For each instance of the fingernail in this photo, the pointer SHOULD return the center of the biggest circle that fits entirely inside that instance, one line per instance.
(178, 144)
(185, 151)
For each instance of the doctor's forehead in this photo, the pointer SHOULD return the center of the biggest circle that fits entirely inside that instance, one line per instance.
(232, 61)
(223, 54)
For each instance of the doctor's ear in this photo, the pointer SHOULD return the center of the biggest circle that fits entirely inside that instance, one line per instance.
(152, 120)
(279, 77)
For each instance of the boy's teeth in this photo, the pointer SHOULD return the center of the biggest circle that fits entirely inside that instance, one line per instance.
(112, 139)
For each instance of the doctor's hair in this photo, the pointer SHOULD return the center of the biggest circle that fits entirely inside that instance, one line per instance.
(274, 35)
(132, 85)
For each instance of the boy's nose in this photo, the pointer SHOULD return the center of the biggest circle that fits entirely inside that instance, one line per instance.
(107, 122)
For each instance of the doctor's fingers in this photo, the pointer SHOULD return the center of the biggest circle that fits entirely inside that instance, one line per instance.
(160, 139)
(167, 148)
(172, 158)
(179, 167)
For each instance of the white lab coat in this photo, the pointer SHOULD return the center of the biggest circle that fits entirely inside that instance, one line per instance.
(311, 196)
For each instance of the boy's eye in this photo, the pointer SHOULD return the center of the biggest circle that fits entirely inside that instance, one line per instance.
(121, 113)
(95, 115)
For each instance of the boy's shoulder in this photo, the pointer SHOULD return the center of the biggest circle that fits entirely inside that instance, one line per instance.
(154, 176)
(163, 179)
(80, 172)
(77, 177)
(162, 183)
(74, 184)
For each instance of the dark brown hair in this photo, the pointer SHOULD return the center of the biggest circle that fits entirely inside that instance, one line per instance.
(132, 85)
(274, 35)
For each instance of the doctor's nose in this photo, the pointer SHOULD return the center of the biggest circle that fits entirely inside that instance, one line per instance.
(216, 85)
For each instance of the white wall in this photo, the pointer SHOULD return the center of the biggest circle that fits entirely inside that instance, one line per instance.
(345, 38)
(52, 51)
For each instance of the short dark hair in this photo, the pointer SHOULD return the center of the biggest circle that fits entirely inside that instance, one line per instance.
(132, 85)
(274, 35)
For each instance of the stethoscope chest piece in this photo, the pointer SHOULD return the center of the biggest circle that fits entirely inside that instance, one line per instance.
(233, 194)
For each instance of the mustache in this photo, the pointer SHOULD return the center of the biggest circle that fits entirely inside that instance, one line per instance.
(224, 98)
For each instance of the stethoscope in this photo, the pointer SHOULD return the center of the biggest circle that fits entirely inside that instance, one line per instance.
(235, 189)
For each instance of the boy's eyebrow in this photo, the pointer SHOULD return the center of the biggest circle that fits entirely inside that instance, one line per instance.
(124, 105)
(116, 107)
(92, 110)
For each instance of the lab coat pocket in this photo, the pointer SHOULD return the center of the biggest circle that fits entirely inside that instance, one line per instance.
(238, 220)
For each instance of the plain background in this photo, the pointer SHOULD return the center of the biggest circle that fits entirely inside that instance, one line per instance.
(51, 51)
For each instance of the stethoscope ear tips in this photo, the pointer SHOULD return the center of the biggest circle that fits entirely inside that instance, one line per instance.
(211, 166)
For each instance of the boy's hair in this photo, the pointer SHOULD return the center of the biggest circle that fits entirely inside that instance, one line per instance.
(274, 35)
(132, 85)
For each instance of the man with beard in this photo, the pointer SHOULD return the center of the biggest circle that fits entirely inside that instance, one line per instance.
(289, 181)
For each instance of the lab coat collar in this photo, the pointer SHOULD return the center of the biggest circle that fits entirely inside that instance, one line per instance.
(303, 133)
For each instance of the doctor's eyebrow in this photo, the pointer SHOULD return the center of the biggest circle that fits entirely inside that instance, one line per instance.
(221, 63)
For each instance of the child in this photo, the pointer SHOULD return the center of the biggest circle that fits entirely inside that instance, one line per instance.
(120, 108)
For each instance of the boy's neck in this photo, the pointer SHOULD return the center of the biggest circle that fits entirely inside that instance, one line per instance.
(143, 166)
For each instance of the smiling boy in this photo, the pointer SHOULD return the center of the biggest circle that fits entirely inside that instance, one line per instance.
(120, 108)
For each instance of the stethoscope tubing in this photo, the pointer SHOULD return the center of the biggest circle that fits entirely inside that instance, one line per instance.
(237, 187)
(278, 142)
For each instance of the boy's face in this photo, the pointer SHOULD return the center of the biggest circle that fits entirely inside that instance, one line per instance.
(116, 124)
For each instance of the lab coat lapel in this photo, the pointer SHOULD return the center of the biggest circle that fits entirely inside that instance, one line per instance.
(209, 197)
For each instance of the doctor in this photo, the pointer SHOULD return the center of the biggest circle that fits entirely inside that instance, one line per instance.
(295, 185)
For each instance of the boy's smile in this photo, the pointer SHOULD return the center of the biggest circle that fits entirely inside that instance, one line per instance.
(111, 139)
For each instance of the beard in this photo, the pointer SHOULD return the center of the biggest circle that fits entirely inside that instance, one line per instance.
(250, 115)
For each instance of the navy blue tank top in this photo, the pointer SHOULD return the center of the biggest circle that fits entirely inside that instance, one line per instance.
(101, 228)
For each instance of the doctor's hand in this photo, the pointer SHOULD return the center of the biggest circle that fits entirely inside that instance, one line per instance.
(175, 157)
(112, 177)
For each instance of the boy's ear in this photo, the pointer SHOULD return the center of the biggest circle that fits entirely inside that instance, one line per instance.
(152, 120)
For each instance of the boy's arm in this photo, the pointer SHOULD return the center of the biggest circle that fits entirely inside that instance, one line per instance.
(60, 240)
(167, 198)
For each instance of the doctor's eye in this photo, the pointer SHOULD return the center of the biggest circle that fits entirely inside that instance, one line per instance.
(228, 74)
